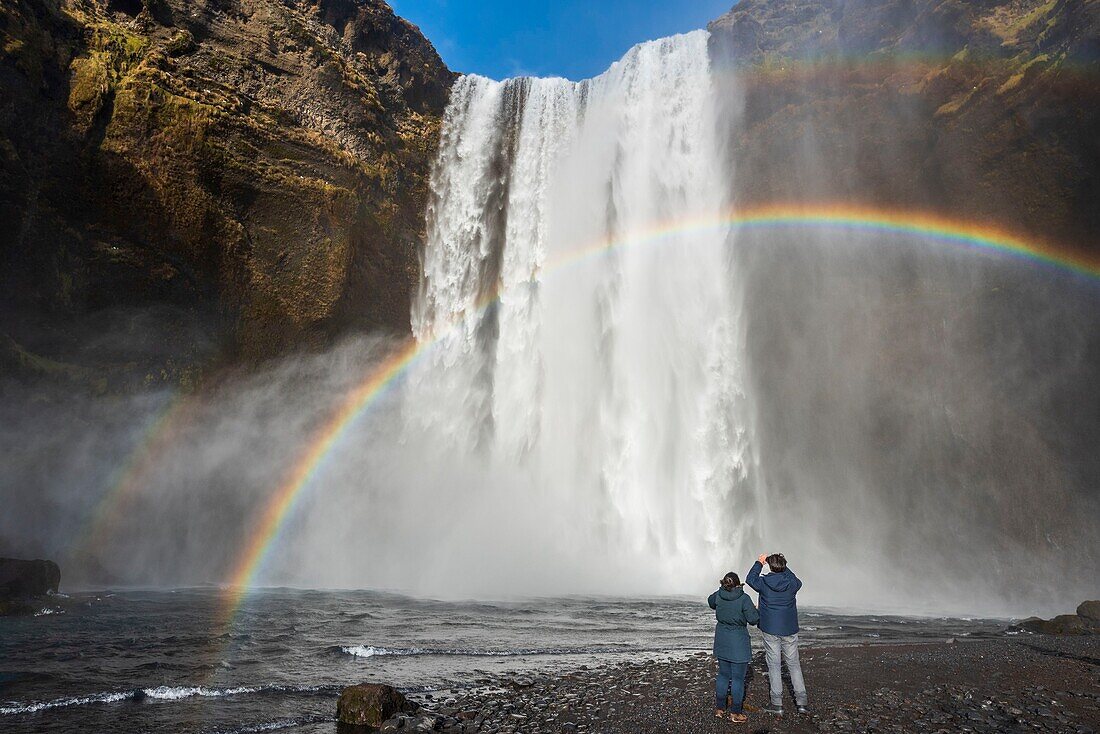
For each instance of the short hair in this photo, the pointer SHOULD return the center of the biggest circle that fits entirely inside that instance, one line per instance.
(731, 577)
(776, 562)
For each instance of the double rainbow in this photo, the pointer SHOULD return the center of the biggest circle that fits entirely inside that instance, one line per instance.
(978, 237)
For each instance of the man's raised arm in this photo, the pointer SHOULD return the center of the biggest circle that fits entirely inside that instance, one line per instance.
(753, 577)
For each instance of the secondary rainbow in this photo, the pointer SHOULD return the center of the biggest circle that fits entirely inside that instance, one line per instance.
(131, 477)
(979, 237)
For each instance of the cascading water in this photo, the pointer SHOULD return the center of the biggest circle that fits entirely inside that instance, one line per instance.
(583, 342)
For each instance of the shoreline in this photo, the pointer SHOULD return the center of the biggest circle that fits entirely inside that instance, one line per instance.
(1035, 683)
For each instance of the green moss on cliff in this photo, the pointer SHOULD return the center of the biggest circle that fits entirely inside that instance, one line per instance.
(261, 178)
(111, 53)
(1012, 22)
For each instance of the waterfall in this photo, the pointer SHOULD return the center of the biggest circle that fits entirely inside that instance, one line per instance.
(577, 331)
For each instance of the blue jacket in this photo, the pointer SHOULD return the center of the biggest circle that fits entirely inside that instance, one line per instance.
(733, 610)
(778, 611)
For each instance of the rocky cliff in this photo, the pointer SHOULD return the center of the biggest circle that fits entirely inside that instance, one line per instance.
(985, 110)
(903, 375)
(188, 182)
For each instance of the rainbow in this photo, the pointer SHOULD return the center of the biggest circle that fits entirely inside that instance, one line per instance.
(978, 237)
(283, 500)
(159, 433)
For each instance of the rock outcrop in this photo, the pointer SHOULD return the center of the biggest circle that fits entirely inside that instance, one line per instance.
(370, 704)
(19, 578)
(986, 111)
(22, 582)
(1085, 622)
(1089, 610)
(203, 181)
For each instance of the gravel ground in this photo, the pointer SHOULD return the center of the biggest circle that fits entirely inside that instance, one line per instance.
(1032, 683)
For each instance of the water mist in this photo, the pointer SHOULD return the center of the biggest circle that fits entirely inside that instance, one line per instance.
(609, 397)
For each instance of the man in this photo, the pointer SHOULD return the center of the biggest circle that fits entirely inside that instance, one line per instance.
(779, 625)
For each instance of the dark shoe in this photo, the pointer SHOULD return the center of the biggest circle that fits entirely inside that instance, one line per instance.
(773, 709)
(803, 709)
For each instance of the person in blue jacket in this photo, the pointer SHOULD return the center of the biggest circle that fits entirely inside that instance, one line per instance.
(734, 610)
(779, 627)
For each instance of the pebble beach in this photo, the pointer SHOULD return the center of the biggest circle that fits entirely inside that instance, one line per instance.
(1028, 683)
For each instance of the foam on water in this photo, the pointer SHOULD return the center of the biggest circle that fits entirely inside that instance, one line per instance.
(368, 651)
(30, 708)
(274, 725)
(158, 693)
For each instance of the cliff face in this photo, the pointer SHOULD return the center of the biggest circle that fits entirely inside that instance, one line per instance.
(985, 110)
(954, 397)
(210, 179)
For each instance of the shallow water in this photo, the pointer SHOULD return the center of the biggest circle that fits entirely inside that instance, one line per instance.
(161, 660)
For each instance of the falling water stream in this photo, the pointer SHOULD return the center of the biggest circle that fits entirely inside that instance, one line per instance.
(616, 376)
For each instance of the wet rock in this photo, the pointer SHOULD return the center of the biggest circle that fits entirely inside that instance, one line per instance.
(370, 704)
(1063, 624)
(15, 609)
(27, 579)
(1089, 610)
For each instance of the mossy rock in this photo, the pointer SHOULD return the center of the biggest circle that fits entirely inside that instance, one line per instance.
(181, 44)
(370, 704)
(88, 89)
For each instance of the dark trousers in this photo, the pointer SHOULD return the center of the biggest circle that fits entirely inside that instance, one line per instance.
(731, 681)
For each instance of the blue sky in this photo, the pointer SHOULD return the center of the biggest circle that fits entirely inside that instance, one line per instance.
(569, 38)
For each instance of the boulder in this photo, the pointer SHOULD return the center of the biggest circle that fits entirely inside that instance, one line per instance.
(370, 704)
(20, 579)
(1067, 624)
(1085, 622)
(1090, 610)
(1063, 624)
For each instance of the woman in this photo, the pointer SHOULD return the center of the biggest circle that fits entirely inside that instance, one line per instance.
(734, 611)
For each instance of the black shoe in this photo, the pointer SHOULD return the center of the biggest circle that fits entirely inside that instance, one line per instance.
(803, 709)
(773, 709)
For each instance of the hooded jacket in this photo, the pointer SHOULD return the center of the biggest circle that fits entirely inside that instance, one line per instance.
(778, 612)
(733, 610)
